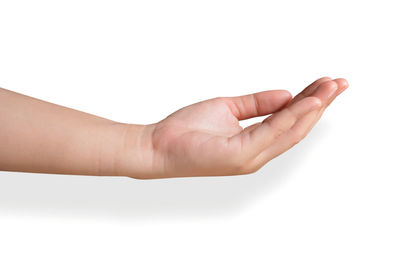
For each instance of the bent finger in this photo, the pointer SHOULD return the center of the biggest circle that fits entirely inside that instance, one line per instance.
(310, 89)
(260, 137)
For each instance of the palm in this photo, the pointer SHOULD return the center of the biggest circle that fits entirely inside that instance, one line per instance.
(196, 135)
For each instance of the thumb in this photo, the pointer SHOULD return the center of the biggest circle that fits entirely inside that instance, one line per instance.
(258, 104)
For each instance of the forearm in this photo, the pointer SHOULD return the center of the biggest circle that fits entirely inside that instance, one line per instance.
(37, 136)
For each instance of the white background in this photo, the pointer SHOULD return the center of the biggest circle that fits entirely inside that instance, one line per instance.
(333, 200)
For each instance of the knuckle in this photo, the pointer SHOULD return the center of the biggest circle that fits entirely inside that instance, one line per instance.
(292, 115)
(276, 126)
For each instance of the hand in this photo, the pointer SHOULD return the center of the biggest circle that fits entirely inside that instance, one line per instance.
(206, 139)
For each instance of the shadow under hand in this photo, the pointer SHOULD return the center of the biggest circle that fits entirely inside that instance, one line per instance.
(125, 198)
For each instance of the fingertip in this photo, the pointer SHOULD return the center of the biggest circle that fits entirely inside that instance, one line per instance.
(342, 83)
(284, 93)
(325, 78)
(330, 84)
(281, 96)
(287, 95)
(309, 90)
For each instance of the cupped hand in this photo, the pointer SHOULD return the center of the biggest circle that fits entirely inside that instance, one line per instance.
(205, 139)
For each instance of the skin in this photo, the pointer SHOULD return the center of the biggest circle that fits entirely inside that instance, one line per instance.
(203, 139)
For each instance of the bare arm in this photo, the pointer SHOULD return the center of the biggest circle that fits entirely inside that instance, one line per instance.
(198, 140)
(37, 136)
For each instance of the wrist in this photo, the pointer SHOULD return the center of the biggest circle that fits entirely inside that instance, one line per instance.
(127, 150)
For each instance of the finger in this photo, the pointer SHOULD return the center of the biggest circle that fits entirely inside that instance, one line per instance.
(259, 138)
(251, 127)
(314, 87)
(326, 92)
(342, 85)
(258, 104)
(287, 140)
(310, 89)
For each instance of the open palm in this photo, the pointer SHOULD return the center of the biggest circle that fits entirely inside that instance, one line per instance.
(206, 139)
